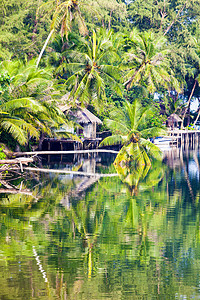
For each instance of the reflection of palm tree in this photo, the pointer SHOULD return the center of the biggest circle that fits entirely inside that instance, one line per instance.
(88, 219)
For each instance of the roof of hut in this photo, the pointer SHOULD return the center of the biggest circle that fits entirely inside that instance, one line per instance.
(82, 115)
(174, 118)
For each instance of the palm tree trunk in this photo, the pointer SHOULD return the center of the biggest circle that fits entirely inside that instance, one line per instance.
(44, 47)
(188, 103)
(197, 117)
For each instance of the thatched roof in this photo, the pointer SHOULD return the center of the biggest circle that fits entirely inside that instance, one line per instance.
(174, 118)
(82, 115)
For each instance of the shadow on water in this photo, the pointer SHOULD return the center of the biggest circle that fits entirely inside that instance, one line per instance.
(75, 237)
(60, 161)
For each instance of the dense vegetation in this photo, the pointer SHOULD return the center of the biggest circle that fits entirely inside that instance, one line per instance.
(103, 54)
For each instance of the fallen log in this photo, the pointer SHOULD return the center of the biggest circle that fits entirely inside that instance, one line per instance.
(20, 160)
(23, 160)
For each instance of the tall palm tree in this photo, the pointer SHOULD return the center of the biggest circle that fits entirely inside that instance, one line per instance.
(147, 62)
(64, 13)
(128, 127)
(92, 70)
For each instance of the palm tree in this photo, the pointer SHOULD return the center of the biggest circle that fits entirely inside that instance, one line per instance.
(28, 110)
(147, 62)
(13, 119)
(26, 80)
(65, 12)
(128, 125)
(92, 70)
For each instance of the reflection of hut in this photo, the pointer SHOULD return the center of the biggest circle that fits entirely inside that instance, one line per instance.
(174, 121)
(87, 120)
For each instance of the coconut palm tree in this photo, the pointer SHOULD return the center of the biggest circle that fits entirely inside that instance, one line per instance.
(28, 108)
(64, 13)
(26, 80)
(147, 62)
(128, 127)
(13, 119)
(92, 70)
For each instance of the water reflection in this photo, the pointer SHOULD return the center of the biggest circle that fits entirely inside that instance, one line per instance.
(72, 237)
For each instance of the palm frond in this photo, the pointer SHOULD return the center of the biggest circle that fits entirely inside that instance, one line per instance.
(112, 140)
(151, 149)
(15, 131)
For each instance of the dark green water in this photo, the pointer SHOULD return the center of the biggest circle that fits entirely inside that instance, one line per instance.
(70, 237)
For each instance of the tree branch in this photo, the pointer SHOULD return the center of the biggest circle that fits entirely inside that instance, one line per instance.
(178, 13)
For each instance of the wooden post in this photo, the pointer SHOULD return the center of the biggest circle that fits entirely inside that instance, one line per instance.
(61, 149)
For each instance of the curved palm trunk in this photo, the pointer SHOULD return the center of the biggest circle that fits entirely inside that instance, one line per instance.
(197, 117)
(44, 47)
(188, 103)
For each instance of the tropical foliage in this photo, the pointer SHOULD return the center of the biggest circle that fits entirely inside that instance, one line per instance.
(103, 54)
(27, 106)
(147, 62)
(128, 127)
(92, 69)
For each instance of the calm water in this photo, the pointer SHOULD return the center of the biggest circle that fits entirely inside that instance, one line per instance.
(77, 237)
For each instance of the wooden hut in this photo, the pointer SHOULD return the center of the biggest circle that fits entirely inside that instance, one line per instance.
(87, 120)
(174, 121)
(87, 131)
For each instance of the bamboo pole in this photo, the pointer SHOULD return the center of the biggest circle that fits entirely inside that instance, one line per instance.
(69, 172)
(65, 152)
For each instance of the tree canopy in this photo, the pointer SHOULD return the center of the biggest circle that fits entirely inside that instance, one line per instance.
(102, 52)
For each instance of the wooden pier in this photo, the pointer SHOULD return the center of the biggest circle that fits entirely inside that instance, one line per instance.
(52, 144)
(185, 137)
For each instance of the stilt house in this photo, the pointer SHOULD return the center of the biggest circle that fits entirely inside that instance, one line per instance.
(88, 121)
(174, 121)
